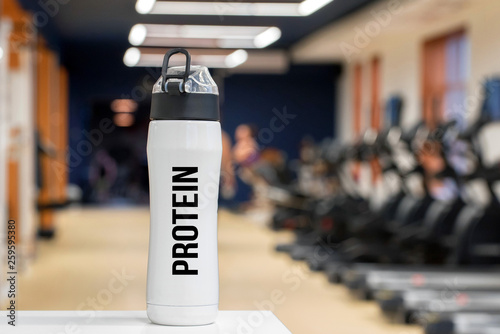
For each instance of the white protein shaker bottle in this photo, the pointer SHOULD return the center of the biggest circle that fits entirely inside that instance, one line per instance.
(184, 157)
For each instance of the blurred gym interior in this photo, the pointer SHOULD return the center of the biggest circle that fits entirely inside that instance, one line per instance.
(359, 180)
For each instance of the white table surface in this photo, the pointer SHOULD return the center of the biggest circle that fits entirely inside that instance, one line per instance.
(136, 322)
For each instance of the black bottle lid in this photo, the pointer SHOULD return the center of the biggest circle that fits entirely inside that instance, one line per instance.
(185, 92)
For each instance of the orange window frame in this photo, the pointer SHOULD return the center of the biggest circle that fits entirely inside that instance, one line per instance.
(434, 83)
(357, 89)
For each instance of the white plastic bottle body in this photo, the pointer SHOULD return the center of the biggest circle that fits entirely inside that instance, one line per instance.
(184, 159)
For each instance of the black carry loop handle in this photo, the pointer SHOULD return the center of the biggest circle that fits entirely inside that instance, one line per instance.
(175, 89)
(173, 102)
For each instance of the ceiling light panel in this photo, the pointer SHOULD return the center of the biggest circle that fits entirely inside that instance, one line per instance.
(153, 57)
(235, 61)
(225, 8)
(307, 7)
(205, 36)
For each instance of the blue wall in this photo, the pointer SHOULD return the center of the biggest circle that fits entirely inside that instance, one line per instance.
(308, 92)
(92, 81)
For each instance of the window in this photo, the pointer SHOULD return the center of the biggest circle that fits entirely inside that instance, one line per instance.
(358, 89)
(375, 94)
(446, 67)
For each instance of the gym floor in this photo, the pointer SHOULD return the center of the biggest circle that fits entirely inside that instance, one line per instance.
(99, 260)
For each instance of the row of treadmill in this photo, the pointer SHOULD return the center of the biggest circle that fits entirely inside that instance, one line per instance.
(409, 218)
